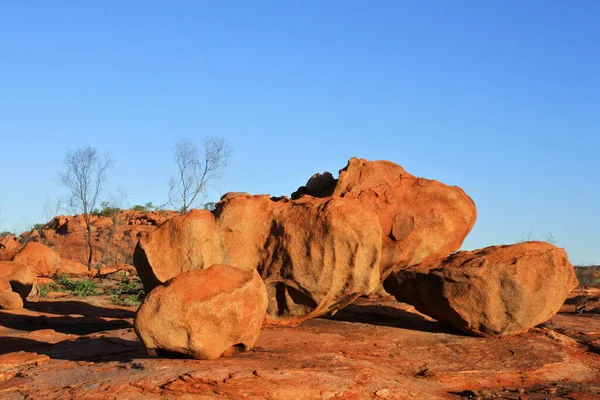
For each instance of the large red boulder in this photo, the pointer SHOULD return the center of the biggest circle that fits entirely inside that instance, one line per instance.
(336, 240)
(421, 219)
(315, 255)
(496, 291)
(205, 313)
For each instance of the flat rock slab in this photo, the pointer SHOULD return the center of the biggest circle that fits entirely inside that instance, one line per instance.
(375, 348)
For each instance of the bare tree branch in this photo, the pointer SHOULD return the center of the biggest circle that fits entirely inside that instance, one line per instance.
(51, 210)
(84, 175)
(196, 172)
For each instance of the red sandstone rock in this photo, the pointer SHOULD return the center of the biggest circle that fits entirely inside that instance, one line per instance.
(10, 300)
(17, 277)
(372, 349)
(205, 313)
(9, 243)
(113, 240)
(421, 219)
(315, 255)
(496, 291)
(46, 262)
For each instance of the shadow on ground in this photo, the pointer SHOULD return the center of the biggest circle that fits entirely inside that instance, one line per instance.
(390, 316)
(102, 349)
(74, 325)
(70, 307)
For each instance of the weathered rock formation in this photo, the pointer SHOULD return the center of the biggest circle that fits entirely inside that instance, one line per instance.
(336, 241)
(46, 262)
(16, 283)
(495, 291)
(9, 300)
(204, 313)
(9, 246)
(113, 238)
(315, 255)
(421, 219)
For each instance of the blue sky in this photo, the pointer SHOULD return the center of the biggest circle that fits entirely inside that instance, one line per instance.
(501, 98)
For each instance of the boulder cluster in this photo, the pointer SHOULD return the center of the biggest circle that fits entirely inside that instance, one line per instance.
(331, 242)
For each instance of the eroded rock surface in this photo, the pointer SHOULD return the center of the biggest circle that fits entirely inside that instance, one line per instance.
(9, 300)
(496, 291)
(377, 349)
(113, 240)
(46, 262)
(336, 241)
(421, 219)
(315, 255)
(16, 277)
(204, 313)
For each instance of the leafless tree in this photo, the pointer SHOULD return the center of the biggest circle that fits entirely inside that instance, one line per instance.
(112, 208)
(50, 209)
(84, 175)
(196, 171)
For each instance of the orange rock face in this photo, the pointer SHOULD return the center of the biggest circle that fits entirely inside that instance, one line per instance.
(46, 262)
(315, 255)
(421, 219)
(496, 291)
(336, 241)
(9, 246)
(17, 278)
(204, 313)
(8, 243)
(10, 300)
(113, 239)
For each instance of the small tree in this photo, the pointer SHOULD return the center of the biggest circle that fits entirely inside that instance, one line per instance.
(196, 172)
(51, 210)
(84, 175)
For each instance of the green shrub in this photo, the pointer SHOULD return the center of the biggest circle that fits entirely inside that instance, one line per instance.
(129, 292)
(7, 233)
(38, 227)
(107, 210)
(83, 288)
(145, 208)
(43, 290)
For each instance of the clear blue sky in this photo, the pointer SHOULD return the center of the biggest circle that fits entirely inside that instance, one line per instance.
(499, 97)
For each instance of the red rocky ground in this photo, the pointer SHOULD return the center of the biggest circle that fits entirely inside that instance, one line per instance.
(73, 348)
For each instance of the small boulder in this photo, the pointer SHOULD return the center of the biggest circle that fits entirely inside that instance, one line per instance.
(495, 291)
(10, 300)
(9, 243)
(205, 313)
(16, 277)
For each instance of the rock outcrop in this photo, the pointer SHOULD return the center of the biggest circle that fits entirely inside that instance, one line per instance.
(495, 291)
(337, 240)
(46, 262)
(205, 313)
(315, 255)
(421, 219)
(113, 237)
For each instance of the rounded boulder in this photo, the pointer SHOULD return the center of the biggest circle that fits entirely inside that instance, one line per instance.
(495, 291)
(204, 313)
